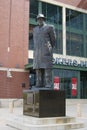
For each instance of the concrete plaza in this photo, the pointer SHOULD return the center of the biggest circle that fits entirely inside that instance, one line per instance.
(75, 110)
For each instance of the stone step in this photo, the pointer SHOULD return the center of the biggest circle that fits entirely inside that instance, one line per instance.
(65, 126)
(36, 124)
(44, 121)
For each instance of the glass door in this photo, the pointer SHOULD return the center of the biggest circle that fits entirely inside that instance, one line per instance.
(83, 83)
(66, 85)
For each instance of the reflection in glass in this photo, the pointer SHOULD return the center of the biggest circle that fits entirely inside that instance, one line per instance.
(86, 21)
(75, 44)
(65, 80)
(33, 8)
(74, 19)
(86, 45)
(53, 13)
(58, 45)
(76, 23)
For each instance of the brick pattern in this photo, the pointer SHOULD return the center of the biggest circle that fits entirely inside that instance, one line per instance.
(14, 17)
(4, 30)
(12, 87)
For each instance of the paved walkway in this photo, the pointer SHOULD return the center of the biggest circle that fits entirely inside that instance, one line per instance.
(80, 112)
(4, 114)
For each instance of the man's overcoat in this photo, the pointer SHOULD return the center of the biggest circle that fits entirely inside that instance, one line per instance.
(44, 41)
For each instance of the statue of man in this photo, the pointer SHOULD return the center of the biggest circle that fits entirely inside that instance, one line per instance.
(44, 41)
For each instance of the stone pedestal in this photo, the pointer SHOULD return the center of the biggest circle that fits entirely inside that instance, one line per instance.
(44, 103)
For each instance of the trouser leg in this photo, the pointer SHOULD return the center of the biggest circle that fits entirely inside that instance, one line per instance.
(40, 77)
(48, 78)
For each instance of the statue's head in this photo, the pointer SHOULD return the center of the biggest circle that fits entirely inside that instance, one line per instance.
(40, 19)
(41, 16)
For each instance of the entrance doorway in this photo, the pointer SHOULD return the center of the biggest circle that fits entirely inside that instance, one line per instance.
(65, 84)
(83, 84)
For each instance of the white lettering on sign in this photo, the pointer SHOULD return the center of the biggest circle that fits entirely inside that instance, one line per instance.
(69, 62)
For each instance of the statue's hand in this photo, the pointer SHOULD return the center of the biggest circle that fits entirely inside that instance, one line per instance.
(49, 47)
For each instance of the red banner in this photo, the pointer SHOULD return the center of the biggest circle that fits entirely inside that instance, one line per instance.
(74, 86)
(56, 83)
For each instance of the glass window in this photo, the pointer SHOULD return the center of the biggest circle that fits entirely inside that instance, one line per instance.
(86, 45)
(30, 61)
(31, 43)
(54, 16)
(83, 82)
(75, 33)
(86, 22)
(74, 46)
(74, 19)
(33, 8)
(58, 44)
(52, 13)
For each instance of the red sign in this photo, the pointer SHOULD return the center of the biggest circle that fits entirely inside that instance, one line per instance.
(74, 86)
(56, 83)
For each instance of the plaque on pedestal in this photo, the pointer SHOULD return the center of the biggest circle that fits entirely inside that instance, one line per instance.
(44, 103)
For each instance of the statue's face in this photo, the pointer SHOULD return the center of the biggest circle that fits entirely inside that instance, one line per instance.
(40, 21)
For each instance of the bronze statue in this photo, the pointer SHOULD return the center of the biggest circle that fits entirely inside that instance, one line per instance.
(44, 41)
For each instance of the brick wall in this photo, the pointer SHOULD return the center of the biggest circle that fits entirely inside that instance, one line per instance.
(14, 17)
(12, 87)
(14, 24)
